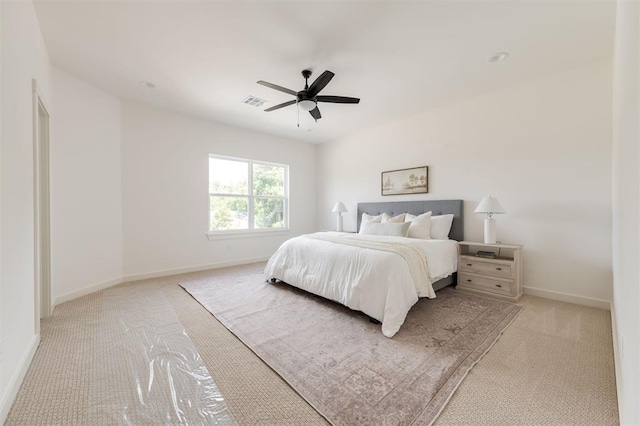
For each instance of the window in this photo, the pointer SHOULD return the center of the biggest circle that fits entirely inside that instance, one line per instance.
(247, 195)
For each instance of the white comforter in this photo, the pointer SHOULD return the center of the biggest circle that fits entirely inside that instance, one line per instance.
(375, 280)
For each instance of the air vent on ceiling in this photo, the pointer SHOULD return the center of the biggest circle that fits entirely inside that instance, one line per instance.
(253, 101)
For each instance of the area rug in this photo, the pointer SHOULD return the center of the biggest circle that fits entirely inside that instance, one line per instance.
(341, 363)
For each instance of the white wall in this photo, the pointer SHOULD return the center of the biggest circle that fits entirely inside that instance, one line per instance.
(24, 56)
(2, 391)
(626, 209)
(1, 281)
(543, 148)
(86, 190)
(165, 190)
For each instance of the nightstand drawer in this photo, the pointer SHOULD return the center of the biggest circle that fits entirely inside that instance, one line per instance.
(487, 284)
(494, 269)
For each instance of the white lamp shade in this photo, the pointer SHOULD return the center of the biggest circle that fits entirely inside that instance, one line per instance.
(307, 105)
(489, 205)
(339, 208)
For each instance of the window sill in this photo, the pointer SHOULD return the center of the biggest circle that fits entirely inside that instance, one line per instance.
(230, 235)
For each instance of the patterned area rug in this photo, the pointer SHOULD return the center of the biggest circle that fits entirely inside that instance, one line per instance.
(342, 364)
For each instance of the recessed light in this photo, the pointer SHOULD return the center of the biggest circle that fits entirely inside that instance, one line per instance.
(500, 56)
(147, 84)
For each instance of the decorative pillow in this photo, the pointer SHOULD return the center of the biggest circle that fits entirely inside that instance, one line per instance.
(389, 229)
(440, 226)
(420, 225)
(396, 219)
(366, 219)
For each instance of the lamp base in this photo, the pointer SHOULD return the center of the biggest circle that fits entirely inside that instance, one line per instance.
(339, 224)
(489, 231)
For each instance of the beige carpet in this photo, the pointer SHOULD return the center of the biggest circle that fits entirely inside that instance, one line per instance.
(553, 366)
(341, 363)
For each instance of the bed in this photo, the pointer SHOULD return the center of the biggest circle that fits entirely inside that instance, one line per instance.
(381, 276)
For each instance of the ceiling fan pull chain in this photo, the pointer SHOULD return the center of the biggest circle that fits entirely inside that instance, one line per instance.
(298, 114)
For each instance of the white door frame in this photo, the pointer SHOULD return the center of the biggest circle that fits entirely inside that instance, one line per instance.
(42, 243)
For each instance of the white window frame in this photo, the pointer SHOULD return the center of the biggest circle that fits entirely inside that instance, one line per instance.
(252, 231)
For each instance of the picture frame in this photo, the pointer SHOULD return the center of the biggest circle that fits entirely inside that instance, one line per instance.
(405, 181)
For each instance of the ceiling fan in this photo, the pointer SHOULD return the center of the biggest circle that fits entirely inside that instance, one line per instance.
(308, 98)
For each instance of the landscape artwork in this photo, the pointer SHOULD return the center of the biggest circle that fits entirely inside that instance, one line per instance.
(406, 181)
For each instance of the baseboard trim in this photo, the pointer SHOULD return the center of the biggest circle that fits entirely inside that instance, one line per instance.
(16, 379)
(87, 290)
(163, 273)
(196, 268)
(570, 298)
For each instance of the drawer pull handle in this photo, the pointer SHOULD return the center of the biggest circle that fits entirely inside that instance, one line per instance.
(469, 264)
(498, 269)
(499, 285)
(469, 280)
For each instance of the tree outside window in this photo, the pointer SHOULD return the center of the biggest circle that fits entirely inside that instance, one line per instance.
(247, 195)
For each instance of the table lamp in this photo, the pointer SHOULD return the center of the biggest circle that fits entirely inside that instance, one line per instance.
(339, 208)
(490, 206)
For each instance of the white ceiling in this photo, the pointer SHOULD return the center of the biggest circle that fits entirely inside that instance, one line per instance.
(398, 57)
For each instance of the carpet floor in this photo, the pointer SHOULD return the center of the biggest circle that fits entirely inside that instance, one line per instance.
(553, 366)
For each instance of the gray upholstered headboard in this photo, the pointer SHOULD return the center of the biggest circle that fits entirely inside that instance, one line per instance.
(438, 207)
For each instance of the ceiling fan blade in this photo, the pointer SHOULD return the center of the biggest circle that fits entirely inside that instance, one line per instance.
(273, 108)
(320, 83)
(338, 99)
(278, 88)
(315, 113)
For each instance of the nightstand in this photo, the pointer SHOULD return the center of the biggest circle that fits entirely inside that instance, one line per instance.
(500, 276)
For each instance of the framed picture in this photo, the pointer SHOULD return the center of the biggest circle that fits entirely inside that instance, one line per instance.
(406, 181)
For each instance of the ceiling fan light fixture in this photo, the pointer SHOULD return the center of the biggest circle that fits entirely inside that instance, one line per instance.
(307, 104)
(307, 99)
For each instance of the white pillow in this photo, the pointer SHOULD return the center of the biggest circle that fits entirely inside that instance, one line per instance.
(366, 219)
(440, 226)
(389, 229)
(396, 219)
(420, 225)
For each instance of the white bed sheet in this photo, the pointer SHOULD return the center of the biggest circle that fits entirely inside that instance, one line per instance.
(376, 282)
